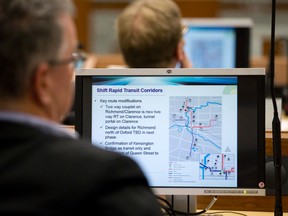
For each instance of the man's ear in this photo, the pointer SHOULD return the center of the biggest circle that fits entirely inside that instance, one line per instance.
(180, 51)
(41, 84)
(181, 55)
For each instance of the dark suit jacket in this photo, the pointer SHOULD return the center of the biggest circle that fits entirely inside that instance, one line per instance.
(44, 174)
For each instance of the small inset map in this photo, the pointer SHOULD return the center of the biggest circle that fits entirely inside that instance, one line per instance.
(217, 166)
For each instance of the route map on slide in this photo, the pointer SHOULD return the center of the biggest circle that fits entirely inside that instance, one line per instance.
(195, 134)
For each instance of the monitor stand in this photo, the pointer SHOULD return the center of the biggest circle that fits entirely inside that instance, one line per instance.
(183, 203)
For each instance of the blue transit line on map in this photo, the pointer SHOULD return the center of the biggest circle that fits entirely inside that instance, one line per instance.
(193, 133)
(203, 166)
(207, 155)
(205, 105)
(214, 144)
(178, 126)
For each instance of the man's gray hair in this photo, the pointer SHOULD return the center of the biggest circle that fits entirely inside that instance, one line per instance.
(149, 32)
(30, 33)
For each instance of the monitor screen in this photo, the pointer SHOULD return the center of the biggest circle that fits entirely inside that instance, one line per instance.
(192, 131)
(218, 42)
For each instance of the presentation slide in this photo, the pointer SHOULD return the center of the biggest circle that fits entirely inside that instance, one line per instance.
(179, 134)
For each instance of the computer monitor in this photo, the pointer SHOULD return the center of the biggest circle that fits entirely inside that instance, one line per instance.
(192, 131)
(218, 42)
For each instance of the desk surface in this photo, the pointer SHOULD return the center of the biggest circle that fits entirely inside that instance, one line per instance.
(231, 213)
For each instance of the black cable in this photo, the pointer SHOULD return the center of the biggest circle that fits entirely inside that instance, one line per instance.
(169, 209)
(276, 129)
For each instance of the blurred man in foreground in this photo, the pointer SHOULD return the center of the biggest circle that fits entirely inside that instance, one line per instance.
(44, 170)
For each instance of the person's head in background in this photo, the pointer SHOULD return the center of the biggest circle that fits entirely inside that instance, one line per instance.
(37, 40)
(150, 34)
